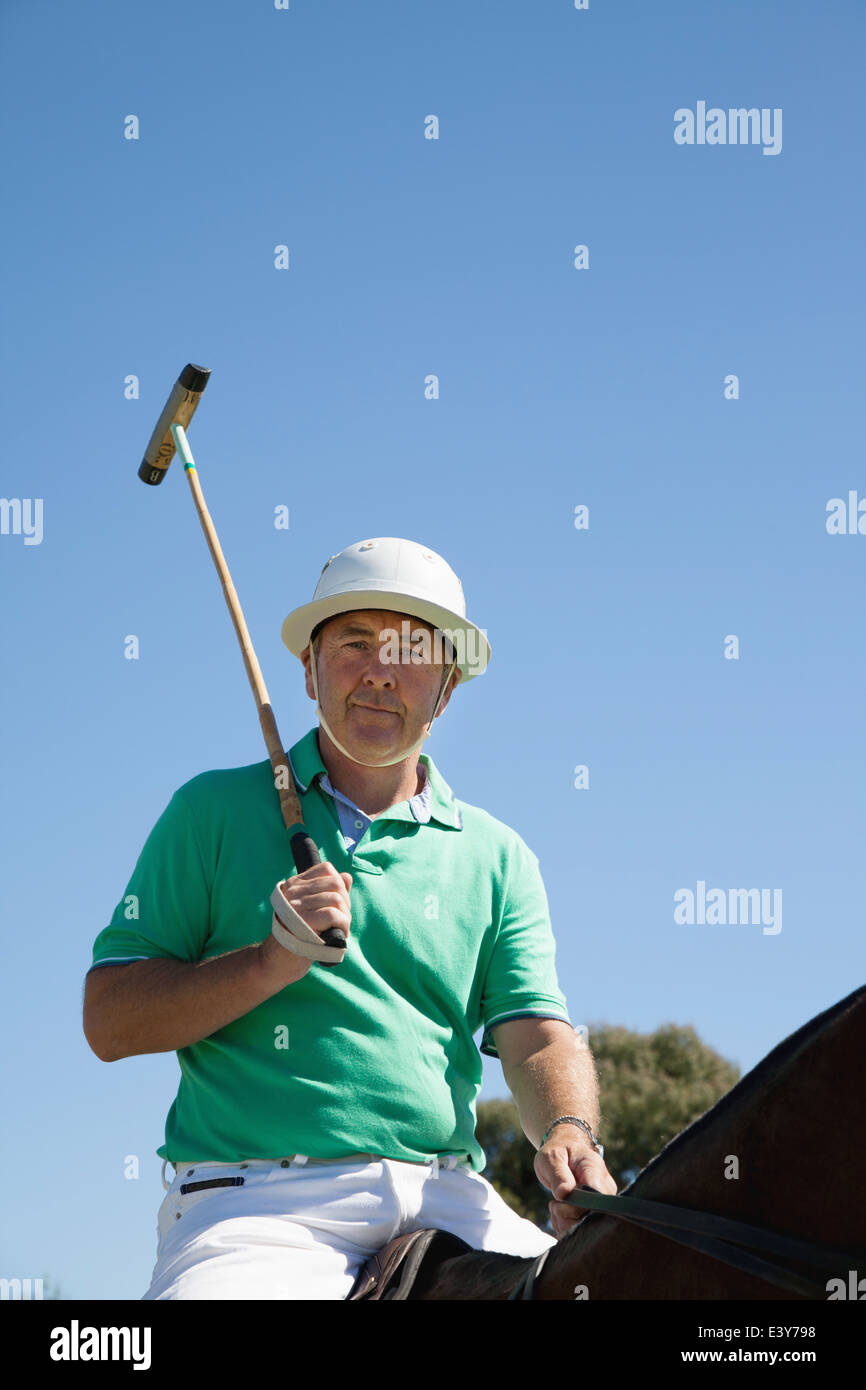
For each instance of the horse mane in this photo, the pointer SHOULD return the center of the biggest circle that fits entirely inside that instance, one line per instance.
(775, 1062)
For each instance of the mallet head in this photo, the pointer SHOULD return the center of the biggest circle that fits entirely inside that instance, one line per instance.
(179, 410)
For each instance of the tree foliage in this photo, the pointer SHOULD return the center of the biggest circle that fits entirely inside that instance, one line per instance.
(651, 1087)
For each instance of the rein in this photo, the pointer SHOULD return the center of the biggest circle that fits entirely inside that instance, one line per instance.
(716, 1236)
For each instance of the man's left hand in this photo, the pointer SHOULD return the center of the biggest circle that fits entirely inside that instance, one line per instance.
(566, 1162)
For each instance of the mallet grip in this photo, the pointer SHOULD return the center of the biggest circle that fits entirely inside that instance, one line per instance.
(305, 853)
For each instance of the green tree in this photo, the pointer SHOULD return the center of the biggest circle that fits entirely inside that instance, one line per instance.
(651, 1086)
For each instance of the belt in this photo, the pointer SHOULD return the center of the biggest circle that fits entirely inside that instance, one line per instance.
(437, 1161)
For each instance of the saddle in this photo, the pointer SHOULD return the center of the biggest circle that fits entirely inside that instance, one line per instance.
(406, 1266)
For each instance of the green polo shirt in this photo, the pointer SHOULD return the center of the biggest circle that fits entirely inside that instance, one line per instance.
(450, 933)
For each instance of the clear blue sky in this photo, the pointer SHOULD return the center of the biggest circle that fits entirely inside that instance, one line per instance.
(558, 387)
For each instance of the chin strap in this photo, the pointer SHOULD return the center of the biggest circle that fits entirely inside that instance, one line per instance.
(401, 757)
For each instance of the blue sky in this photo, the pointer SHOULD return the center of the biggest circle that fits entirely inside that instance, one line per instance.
(558, 387)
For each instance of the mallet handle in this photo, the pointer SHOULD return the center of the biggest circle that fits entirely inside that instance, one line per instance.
(304, 849)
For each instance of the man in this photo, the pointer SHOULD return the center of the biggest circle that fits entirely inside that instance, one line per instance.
(325, 1108)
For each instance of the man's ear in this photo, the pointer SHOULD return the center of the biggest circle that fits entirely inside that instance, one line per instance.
(308, 679)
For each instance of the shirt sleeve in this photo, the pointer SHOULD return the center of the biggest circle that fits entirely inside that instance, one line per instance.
(521, 977)
(165, 909)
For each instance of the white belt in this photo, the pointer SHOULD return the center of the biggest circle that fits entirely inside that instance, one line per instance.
(447, 1161)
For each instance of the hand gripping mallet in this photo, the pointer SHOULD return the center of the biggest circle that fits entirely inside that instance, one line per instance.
(168, 437)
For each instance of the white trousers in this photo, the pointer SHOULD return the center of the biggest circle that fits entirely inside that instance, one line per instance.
(303, 1230)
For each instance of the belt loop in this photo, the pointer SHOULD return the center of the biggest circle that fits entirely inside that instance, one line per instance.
(300, 1159)
(434, 1165)
(166, 1185)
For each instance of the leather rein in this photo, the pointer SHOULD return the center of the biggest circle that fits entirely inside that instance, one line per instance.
(717, 1236)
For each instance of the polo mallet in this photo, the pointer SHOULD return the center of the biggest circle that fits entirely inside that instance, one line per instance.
(168, 437)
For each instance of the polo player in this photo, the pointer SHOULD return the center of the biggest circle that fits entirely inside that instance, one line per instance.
(326, 1107)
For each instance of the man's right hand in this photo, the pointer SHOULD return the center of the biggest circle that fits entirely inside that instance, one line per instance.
(320, 895)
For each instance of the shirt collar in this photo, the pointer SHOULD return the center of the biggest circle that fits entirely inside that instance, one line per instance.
(306, 764)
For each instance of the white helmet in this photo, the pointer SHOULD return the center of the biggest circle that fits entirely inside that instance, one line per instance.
(403, 577)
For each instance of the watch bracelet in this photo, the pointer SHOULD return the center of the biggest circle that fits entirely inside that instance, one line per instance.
(574, 1120)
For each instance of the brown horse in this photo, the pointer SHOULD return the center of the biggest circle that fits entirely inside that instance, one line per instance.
(784, 1151)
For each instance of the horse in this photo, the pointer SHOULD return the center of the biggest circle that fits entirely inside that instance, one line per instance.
(775, 1168)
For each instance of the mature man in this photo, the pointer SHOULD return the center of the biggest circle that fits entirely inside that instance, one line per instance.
(325, 1107)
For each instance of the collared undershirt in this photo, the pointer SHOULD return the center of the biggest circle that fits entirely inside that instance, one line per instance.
(354, 823)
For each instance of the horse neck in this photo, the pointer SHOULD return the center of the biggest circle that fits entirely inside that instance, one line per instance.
(780, 1150)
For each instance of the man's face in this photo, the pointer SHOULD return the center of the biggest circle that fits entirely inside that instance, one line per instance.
(378, 705)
